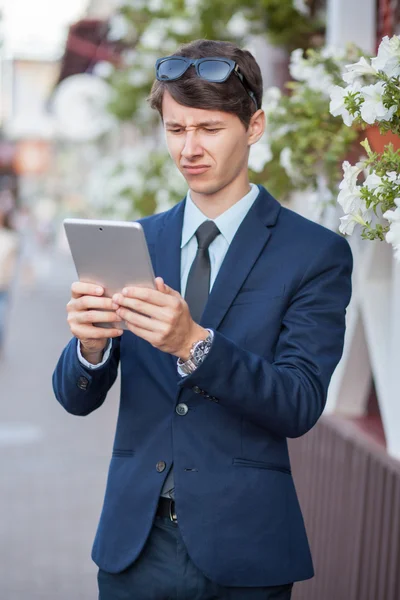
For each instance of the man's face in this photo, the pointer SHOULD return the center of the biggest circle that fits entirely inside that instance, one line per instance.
(210, 148)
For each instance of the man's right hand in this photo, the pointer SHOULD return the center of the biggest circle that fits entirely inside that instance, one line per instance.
(88, 306)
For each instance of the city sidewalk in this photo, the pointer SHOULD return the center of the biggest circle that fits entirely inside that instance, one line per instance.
(53, 465)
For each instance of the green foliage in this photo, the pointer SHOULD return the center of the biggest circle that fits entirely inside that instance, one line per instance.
(278, 20)
(155, 28)
(310, 142)
(381, 197)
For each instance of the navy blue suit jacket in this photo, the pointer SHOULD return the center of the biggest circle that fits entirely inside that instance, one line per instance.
(278, 311)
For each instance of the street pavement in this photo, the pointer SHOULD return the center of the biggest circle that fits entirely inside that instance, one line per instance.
(53, 465)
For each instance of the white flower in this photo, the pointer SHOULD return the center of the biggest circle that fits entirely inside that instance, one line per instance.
(301, 6)
(238, 26)
(192, 6)
(285, 160)
(350, 200)
(163, 199)
(281, 131)
(129, 56)
(358, 70)
(138, 77)
(298, 66)
(271, 99)
(315, 76)
(135, 4)
(337, 53)
(388, 58)
(347, 224)
(271, 104)
(119, 27)
(393, 235)
(154, 5)
(372, 109)
(373, 182)
(155, 33)
(319, 80)
(350, 175)
(103, 69)
(349, 196)
(337, 106)
(393, 177)
(179, 26)
(260, 155)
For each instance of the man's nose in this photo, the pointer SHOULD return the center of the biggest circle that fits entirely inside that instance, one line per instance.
(191, 147)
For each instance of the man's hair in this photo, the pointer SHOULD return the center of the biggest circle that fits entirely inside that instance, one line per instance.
(229, 96)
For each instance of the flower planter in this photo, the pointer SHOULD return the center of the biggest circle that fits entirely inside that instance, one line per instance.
(378, 141)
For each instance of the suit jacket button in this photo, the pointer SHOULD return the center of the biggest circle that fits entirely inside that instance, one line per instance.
(182, 409)
(196, 389)
(82, 383)
(160, 466)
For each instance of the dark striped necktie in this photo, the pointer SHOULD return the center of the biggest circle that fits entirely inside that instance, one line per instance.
(198, 283)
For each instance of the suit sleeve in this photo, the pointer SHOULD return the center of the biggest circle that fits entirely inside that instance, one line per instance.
(81, 390)
(288, 395)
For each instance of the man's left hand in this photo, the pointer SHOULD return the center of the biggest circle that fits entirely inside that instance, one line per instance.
(161, 317)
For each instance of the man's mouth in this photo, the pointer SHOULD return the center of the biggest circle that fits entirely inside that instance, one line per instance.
(195, 169)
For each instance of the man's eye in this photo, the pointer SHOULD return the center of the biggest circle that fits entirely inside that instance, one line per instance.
(212, 130)
(175, 130)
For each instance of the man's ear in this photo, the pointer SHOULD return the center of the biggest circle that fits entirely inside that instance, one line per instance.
(256, 127)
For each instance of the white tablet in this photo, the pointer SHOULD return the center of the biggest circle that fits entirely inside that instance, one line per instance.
(112, 254)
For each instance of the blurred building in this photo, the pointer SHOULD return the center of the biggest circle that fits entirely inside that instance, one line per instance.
(29, 68)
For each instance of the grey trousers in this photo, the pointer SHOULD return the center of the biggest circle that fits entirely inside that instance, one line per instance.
(164, 571)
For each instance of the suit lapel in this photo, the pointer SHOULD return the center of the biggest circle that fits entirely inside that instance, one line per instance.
(168, 257)
(168, 248)
(247, 245)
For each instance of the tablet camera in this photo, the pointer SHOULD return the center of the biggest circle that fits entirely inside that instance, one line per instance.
(100, 229)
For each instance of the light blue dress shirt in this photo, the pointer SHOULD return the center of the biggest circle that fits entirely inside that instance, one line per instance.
(228, 223)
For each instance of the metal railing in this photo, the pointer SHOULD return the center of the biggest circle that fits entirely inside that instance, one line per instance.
(349, 491)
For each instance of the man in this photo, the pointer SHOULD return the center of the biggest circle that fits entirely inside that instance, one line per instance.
(226, 359)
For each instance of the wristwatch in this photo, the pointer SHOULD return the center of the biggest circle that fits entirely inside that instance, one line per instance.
(198, 352)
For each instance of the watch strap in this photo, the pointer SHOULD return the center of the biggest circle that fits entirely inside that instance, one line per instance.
(198, 353)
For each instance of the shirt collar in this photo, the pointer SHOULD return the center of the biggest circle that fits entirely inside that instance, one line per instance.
(228, 223)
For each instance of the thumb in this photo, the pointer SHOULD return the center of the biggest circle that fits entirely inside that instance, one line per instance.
(160, 285)
(163, 287)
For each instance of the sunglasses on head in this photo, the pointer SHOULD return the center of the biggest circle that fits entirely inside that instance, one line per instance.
(215, 69)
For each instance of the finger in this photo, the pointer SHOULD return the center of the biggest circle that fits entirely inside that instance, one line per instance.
(171, 291)
(141, 320)
(80, 288)
(86, 332)
(144, 308)
(97, 316)
(163, 287)
(142, 293)
(87, 302)
(160, 285)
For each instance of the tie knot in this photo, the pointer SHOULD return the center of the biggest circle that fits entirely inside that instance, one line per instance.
(206, 234)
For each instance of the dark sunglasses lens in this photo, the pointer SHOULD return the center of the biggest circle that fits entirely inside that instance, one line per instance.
(171, 69)
(214, 70)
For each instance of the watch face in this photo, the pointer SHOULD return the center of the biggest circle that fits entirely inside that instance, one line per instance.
(201, 350)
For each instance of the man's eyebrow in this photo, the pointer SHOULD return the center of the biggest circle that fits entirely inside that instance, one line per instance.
(210, 123)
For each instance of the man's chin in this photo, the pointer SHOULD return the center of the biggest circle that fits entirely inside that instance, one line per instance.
(205, 188)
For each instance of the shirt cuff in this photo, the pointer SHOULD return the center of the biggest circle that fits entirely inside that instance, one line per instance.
(181, 373)
(89, 365)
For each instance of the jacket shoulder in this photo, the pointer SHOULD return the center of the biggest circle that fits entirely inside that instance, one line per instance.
(308, 232)
(153, 224)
